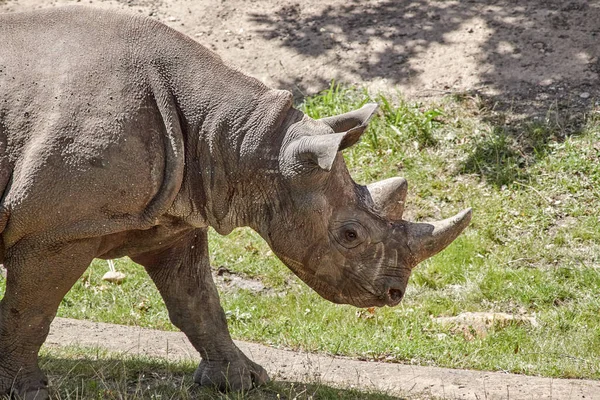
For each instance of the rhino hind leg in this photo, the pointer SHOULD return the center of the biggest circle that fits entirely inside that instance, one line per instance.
(38, 277)
(183, 277)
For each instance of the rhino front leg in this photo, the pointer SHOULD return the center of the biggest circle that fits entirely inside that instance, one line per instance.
(183, 277)
(38, 277)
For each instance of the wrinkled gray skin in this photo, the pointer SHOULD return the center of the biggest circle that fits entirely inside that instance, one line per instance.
(120, 136)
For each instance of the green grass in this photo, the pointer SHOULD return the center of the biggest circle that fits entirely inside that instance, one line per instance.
(84, 373)
(533, 248)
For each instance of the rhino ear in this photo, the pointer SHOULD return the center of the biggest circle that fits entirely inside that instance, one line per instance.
(352, 119)
(309, 152)
(314, 151)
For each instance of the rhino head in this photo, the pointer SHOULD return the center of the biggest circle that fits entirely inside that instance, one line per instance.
(347, 241)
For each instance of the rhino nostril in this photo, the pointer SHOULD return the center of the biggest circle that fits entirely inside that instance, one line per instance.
(395, 295)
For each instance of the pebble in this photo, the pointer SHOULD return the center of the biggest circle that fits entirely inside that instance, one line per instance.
(114, 277)
(584, 95)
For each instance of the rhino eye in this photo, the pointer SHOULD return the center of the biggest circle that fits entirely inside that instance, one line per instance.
(351, 235)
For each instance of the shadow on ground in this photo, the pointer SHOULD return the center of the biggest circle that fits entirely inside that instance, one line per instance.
(97, 376)
(537, 62)
(525, 41)
(502, 154)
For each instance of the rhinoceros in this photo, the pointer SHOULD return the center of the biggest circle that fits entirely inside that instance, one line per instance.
(120, 136)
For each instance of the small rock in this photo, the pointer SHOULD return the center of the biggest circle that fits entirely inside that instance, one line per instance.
(115, 277)
(223, 270)
(584, 95)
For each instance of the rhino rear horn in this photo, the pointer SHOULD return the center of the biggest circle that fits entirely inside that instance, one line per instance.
(388, 197)
(345, 122)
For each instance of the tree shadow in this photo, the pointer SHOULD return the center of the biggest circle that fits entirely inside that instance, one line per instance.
(86, 376)
(538, 62)
(527, 41)
(503, 154)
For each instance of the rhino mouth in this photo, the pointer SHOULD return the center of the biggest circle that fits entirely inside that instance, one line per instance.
(351, 293)
(390, 296)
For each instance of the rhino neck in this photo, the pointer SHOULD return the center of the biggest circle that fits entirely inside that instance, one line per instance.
(230, 123)
(234, 169)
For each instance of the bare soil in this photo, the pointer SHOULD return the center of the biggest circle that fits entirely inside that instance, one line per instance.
(526, 56)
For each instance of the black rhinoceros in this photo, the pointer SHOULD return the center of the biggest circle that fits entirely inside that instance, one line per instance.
(120, 136)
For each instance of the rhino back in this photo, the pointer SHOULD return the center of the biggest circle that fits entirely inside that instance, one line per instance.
(90, 111)
(83, 136)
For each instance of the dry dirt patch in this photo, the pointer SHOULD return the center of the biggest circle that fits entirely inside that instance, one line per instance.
(478, 324)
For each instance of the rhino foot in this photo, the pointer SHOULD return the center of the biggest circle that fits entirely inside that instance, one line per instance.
(238, 375)
(37, 391)
(34, 394)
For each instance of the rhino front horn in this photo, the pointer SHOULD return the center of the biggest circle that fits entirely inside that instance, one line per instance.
(427, 239)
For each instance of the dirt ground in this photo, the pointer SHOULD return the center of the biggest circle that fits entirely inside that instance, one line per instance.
(528, 55)
(405, 381)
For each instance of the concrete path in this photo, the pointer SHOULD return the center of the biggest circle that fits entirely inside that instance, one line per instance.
(394, 379)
